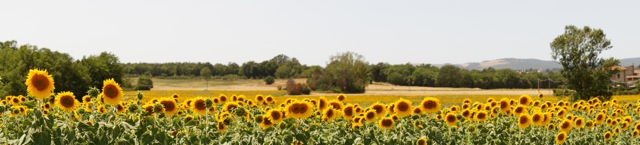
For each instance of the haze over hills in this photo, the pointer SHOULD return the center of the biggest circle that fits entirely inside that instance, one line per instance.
(521, 64)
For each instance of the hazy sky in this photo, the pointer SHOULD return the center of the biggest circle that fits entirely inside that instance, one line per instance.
(390, 31)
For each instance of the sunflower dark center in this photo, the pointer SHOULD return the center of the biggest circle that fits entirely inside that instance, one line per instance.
(110, 91)
(370, 115)
(481, 115)
(348, 111)
(523, 120)
(387, 122)
(402, 106)
(40, 81)
(275, 115)
(298, 108)
(200, 105)
(168, 105)
(536, 118)
(378, 108)
(429, 104)
(336, 105)
(565, 125)
(267, 122)
(451, 118)
(67, 101)
(329, 113)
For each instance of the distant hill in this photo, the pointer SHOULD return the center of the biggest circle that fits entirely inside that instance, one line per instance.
(630, 61)
(521, 64)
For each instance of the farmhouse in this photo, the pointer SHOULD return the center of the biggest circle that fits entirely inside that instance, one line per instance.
(625, 75)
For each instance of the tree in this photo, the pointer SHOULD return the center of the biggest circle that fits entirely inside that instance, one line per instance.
(346, 73)
(577, 51)
(449, 76)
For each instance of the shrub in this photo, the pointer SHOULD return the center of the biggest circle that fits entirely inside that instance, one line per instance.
(269, 80)
(144, 83)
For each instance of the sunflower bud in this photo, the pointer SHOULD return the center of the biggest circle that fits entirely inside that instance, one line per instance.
(139, 95)
(157, 107)
(132, 107)
(258, 119)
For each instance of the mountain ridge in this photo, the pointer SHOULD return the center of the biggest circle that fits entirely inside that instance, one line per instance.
(527, 63)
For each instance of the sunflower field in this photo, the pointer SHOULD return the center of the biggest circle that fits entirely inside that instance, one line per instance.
(107, 118)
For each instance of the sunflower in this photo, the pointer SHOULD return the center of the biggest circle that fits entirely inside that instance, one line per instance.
(175, 96)
(275, 115)
(537, 119)
(370, 115)
(540, 96)
(259, 99)
(86, 99)
(199, 106)
(229, 106)
(342, 97)
(519, 110)
(430, 105)
(222, 128)
(148, 109)
(266, 122)
(299, 110)
(386, 123)
(170, 106)
(481, 116)
(466, 114)
(524, 120)
(565, 125)
(561, 137)
(66, 101)
(348, 112)
(635, 133)
(466, 101)
(15, 100)
(39, 83)
(120, 108)
(336, 105)
(223, 98)
(466, 106)
(379, 108)
(111, 91)
(422, 141)
(451, 119)
(417, 110)
(403, 108)
(269, 100)
(329, 114)
(607, 135)
(579, 122)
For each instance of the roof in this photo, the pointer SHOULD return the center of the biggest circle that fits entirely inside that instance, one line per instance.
(617, 68)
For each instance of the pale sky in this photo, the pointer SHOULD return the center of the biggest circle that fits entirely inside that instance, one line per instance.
(382, 31)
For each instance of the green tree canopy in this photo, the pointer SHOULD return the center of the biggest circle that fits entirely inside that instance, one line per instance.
(578, 51)
(347, 72)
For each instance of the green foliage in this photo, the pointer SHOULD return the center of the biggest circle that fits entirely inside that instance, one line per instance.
(144, 83)
(269, 80)
(449, 76)
(346, 73)
(93, 92)
(205, 72)
(577, 51)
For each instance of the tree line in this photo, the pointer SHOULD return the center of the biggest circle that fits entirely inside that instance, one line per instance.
(454, 76)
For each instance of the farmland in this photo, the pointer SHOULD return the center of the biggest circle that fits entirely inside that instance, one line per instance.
(240, 116)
